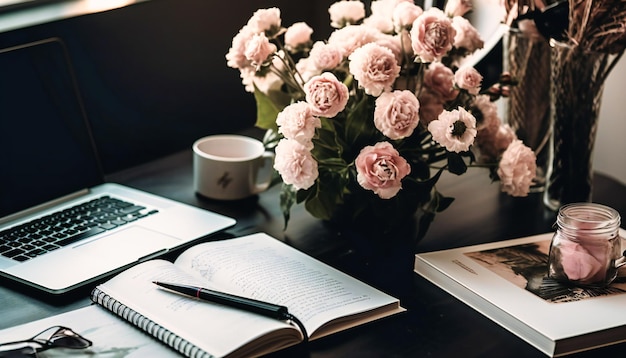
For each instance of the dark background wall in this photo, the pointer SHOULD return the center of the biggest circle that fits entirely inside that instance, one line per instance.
(153, 75)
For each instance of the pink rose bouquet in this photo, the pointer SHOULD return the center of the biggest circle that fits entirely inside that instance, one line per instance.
(366, 121)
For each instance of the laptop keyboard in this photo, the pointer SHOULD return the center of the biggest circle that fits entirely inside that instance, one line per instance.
(65, 227)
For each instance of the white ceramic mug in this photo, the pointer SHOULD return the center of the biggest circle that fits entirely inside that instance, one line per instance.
(231, 167)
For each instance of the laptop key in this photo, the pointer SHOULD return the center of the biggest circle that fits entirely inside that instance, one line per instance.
(28, 247)
(91, 232)
(132, 209)
(35, 236)
(13, 253)
(35, 252)
(39, 242)
(50, 247)
(151, 212)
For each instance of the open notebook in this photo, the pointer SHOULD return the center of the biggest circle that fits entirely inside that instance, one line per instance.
(50, 164)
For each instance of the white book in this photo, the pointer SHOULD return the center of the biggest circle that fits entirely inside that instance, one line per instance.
(506, 281)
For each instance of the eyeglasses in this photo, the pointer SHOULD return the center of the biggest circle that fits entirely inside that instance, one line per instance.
(53, 337)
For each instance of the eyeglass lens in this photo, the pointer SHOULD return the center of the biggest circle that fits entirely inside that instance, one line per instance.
(18, 351)
(66, 338)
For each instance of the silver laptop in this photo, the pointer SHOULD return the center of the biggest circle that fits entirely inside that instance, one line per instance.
(61, 225)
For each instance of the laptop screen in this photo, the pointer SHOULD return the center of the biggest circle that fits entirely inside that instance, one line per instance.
(46, 150)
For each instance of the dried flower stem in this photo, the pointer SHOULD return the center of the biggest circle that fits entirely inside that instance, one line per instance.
(293, 76)
(598, 25)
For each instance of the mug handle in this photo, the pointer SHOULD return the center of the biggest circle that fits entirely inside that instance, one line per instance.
(264, 168)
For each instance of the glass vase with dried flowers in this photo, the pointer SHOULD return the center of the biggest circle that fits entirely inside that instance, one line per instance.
(591, 46)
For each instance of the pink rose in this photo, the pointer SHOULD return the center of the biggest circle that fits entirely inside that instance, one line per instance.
(467, 36)
(431, 106)
(307, 68)
(381, 15)
(432, 35)
(266, 83)
(457, 7)
(580, 264)
(494, 139)
(295, 164)
(379, 22)
(469, 79)
(297, 122)
(344, 13)
(298, 34)
(326, 95)
(517, 169)
(325, 56)
(404, 14)
(236, 57)
(265, 21)
(374, 67)
(352, 37)
(454, 129)
(392, 42)
(488, 112)
(248, 78)
(259, 49)
(440, 79)
(396, 114)
(380, 168)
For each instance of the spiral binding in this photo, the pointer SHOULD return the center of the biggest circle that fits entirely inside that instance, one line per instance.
(147, 325)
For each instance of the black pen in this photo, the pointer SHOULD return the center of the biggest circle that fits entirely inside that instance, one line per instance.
(247, 304)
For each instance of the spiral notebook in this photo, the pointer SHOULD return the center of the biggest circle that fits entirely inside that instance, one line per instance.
(256, 266)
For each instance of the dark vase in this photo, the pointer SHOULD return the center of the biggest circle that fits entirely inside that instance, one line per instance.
(577, 82)
(381, 256)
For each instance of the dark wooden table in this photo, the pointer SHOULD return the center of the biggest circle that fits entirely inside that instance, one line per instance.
(436, 324)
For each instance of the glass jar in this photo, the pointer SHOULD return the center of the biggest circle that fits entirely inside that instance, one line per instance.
(586, 245)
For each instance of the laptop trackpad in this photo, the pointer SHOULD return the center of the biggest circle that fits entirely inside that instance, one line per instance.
(125, 246)
(66, 268)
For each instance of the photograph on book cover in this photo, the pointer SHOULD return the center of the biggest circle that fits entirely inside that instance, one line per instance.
(526, 266)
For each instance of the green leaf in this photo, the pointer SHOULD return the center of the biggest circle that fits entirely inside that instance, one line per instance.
(266, 110)
(287, 199)
(456, 164)
(424, 223)
(327, 194)
(360, 123)
(438, 203)
(326, 145)
(444, 202)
